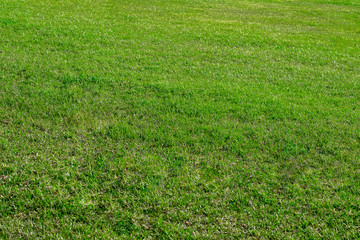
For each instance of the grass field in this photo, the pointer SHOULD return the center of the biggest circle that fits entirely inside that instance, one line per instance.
(211, 119)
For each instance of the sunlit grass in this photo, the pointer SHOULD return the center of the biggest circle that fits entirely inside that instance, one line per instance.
(179, 119)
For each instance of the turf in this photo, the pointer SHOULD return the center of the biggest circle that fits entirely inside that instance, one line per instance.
(208, 119)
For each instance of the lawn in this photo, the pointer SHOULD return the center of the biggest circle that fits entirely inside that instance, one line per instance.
(180, 119)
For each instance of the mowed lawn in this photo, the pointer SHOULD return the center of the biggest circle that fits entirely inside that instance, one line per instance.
(180, 119)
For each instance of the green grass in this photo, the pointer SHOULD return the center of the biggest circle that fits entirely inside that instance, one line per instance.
(211, 119)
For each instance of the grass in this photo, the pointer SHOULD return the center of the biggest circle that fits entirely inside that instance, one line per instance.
(211, 119)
